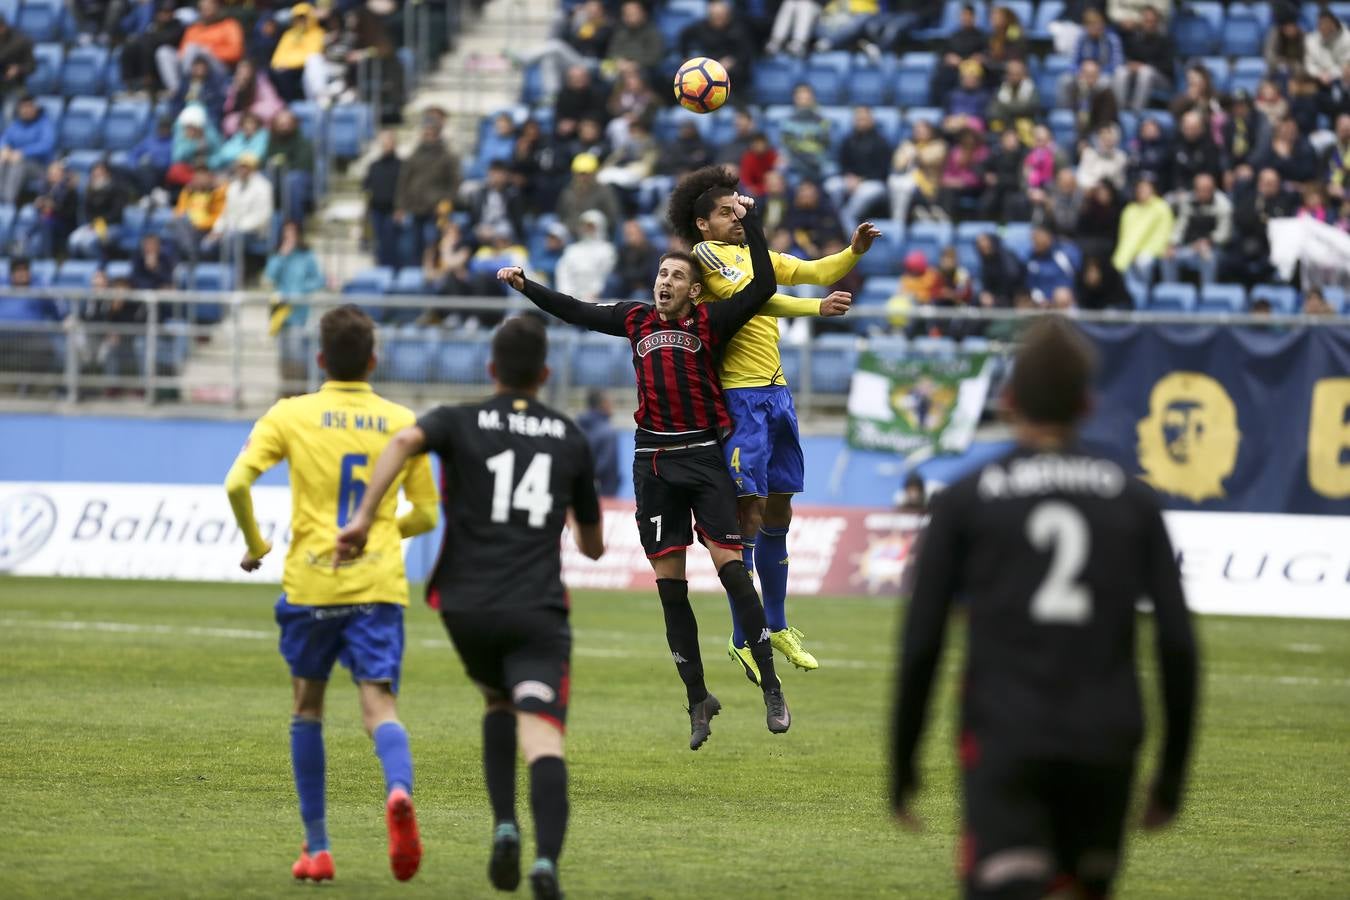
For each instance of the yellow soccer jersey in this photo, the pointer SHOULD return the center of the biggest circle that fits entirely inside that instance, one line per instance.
(331, 439)
(752, 359)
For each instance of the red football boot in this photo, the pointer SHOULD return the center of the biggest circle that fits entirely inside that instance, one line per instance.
(318, 867)
(405, 846)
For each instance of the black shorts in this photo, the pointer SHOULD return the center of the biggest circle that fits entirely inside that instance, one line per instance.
(521, 654)
(673, 485)
(1033, 824)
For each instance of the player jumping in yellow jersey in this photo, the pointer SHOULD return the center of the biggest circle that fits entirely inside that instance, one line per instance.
(764, 452)
(352, 613)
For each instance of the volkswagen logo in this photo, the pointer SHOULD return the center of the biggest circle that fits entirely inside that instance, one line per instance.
(27, 520)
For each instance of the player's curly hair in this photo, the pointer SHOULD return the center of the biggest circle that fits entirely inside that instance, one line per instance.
(694, 197)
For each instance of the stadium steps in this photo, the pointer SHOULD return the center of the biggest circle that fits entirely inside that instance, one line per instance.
(209, 371)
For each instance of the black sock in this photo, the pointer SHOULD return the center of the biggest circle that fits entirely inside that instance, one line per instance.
(548, 802)
(499, 763)
(682, 636)
(750, 615)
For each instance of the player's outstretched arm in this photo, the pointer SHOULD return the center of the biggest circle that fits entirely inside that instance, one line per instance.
(587, 519)
(729, 316)
(606, 318)
(420, 489)
(921, 649)
(783, 306)
(351, 540)
(239, 488)
(826, 269)
(1178, 659)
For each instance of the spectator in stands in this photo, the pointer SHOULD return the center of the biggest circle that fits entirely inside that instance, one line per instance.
(743, 130)
(918, 286)
(57, 202)
(1015, 104)
(584, 38)
(1285, 46)
(1244, 131)
(632, 159)
(1099, 43)
(380, 185)
(500, 252)
(250, 91)
(589, 138)
(891, 28)
(198, 209)
(497, 201)
(251, 138)
(1327, 49)
(1103, 160)
(967, 104)
(1001, 272)
(144, 69)
(1007, 40)
(1204, 224)
(152, 267)
(685, 152)
(636, 39)
(602, 438)
(1194, 152)
(26, 146)
(1246, 259)
(1090, 98)
(427, 183)
(845, 25)
(584, 192)
(636, 263)
(499, 140)
(759, 159)
(1100, 286)
(812, 219)
(214, 37)
(1270, 103)
(1200, 97)
(1146, 227)
(1314, 205)
(916, 174)
(299, 69)
(25, 350)
(1336, 159)
(543, 162)
(775, 202)
(202, 87)
(1149, 57)
(1151, 156)
(792, 27)
(586, 264)
(293, 274)
(16, 58)
(580, 98)
(1050, 266)
(1289, 153)
(632, 100)
(963, 173)
(445, 268)
(1005, 192)
(111, 314)
(148, 162)
(194, 136)
(290, 157)
(1038, 168)
(1314, 304)
(721, 37)
(1099, 220)
(545, 258)
(247, 212)
(1057, 205)
(1306, 101)
(967, 42)
(805, 135)
(954, 290)
(864, 160)
(104, 200)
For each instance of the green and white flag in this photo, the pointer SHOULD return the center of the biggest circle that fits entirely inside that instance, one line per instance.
(909, 405)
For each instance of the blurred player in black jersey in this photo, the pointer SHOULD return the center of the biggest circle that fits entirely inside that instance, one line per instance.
(512, 468)
(678, 468)
(1049, 549)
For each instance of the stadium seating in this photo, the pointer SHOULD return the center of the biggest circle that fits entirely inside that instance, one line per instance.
(833, 360)
(1281, 297)
(83, 123)
(84, 71)
(41, 20)
(46, 76)
(125, 124)
(1222, 298)
(1172, 297)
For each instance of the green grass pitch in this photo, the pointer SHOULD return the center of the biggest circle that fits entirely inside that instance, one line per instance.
(143, 753)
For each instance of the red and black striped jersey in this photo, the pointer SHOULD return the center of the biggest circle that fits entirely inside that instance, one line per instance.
(676, 360)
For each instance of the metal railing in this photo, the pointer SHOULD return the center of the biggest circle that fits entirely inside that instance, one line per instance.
(216, 352)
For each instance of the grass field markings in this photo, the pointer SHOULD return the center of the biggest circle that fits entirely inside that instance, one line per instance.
(136, 628)
(1305, 648)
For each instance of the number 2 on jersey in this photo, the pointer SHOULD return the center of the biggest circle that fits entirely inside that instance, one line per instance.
(351, 490)
(1061, 599)
(530, 495)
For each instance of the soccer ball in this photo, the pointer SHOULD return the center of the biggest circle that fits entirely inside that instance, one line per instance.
(702, 85)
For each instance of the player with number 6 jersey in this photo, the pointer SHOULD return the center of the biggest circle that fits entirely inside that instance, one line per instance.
(350, 613)
(1049, 549)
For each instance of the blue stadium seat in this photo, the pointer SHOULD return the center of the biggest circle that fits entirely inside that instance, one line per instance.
(411, 354)
(1053, 68)
(889, 346)
(158, 222)
(133, 225)
(876, 289)
(975, 344)
(40, 19)
(43, 272)
(889, 122)
(1338, 299)
(1209, 10)
(1219, 71)
(24, 222)
(1017, 238)
(349, 127)
(75, 273)
(532, 86)
(309, 117)
(113, 75)
(1243, 34)
(10, 10)
(54, 108)
(672, 118)
(7, 214)
(1046, 12)
(117, 269)
(790, 358)
(966, 232)
(370, 281)
(939, 233)
(775, 77)
(672, 22)
(1223, 298)
(1247, 75)
(830, 82)
(1281, 297)
(126, 124)
(870, 84)
(85, 71)
(833, 359)
(930, 114)
(598, 361)
(1173, 297)
(82, 127)
(79, 162)
(1064, 127)
(940, 347)
(914, 79)
(883, 259)
(1194, 33)
(951, 20)
(46, 74)
(409, 281)
(1260, 11)
(1162, 117)
(841, 123)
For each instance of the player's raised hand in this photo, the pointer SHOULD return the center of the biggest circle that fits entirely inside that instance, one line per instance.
(351, 540)
(838, 303)
(741, 204)
(251, 563)
(863, 236)
(512, 276)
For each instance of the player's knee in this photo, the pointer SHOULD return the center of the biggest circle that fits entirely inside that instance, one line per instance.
(777, 511)
(752, 516)
(1012, 873)
(733, 574)
(540, 735)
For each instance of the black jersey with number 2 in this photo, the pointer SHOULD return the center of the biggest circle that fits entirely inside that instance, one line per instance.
(1050, 553)
(511, 467)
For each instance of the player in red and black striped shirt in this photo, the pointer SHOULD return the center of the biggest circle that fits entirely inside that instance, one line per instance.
(677, 466)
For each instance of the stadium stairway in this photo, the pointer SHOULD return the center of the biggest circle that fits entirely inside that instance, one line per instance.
(472, 81)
